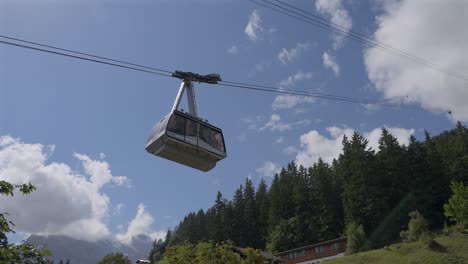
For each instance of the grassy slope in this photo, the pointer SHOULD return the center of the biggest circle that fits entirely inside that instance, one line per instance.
(414, 253)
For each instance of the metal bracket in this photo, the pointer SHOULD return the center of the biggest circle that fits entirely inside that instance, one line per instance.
(187, 84)
(212, 78)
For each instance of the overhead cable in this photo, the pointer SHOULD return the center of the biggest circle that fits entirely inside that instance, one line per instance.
(313, 19)
(166, 73)
(83, 53)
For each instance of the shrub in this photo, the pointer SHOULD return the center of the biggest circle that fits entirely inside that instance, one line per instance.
(417, 228)
(456, 209)
(356, 237)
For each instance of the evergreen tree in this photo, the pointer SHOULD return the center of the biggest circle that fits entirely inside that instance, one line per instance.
(356, 164)
(274, 212)
(238, 224)
(391, 183)
(437, 183)
(250, 230)
(262, 205)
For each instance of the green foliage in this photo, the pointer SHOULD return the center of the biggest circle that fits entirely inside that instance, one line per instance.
(253, 256)
(377, 188)
(453, 250)
(417, 228)
(283, 236)
(115, 258)
(17, 253)
(210, 252)
(356, 237)
(456, 208)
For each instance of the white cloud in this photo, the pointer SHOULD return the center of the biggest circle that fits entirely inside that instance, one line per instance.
(66, 202)
(268, 169)
(290, 150)
(286, 56)
(401, 134)
(338, 15)
(140, 224)
(435, 31)
(313, 145)
(297, 77)
(275, 124)
(234, 50)
(118, 208)
(100, 171)
(254, 27)
(254, 123)
(279, 140)
(329, 62)
(291, 101)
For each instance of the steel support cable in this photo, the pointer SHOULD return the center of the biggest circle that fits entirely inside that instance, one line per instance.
(83, 53)
(365, 37)
(353, 35)
(311, 93)
(327, 27)
(240, 85)
(82, 58)
(320, 96)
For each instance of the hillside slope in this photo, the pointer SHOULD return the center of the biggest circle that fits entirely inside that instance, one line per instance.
(456, 252)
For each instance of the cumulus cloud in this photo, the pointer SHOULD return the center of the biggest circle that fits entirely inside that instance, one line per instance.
(338, 15)
(435, 31)
(297, 77)
(401, 134)
(286, 56)
(291, 101)
(313, 145)
(329, 62)
(275, 124)
(234, 50)
(268, 169)
(66, 202)
(254, 27)
(140, 224)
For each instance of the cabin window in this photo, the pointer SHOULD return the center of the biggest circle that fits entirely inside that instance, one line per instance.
(204, 135)
(216, 140)
(210, 139)
(191, 132)
(177, 125)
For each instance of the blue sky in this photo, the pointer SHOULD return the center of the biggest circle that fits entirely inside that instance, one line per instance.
(85, 108)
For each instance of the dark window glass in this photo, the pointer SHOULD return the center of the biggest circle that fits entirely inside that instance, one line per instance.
(204, 136)
(177, 125)
(216, 140)
(191, 132)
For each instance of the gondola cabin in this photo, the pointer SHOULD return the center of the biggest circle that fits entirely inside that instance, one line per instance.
(187, 140)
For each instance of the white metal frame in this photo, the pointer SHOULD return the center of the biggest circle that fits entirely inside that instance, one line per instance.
(186, 85)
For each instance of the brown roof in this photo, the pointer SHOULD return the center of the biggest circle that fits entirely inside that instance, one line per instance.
(311, 246)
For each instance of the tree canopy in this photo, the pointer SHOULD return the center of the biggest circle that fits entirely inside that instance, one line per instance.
(372, 188)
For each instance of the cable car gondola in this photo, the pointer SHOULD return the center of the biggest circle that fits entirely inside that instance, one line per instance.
(184, 137)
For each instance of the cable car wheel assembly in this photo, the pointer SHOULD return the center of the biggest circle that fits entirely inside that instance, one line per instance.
(184, 137)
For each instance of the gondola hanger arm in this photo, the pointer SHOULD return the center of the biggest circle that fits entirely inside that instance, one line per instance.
(187, 85)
